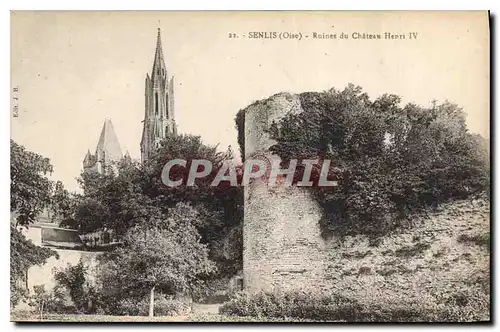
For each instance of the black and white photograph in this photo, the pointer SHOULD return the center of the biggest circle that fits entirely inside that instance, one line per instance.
(250, 166)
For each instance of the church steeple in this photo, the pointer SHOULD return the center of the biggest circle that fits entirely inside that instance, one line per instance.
(159, 68)
(159, 119)
(107, 152)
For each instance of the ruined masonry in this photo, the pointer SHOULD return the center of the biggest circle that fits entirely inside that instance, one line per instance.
(283, 247)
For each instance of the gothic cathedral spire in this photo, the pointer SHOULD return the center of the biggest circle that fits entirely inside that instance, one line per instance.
(107, 152)
(159, 120)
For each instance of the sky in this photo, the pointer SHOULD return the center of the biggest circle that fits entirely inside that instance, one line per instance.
(75, 69)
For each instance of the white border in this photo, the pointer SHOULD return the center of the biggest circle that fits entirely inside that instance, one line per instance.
(181, 5)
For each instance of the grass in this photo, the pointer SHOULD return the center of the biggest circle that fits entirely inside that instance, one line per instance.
(95, 318)
(161, 319)
(477, 239)
(243, 319)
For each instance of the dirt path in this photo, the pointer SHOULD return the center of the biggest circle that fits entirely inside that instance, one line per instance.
(206, 309)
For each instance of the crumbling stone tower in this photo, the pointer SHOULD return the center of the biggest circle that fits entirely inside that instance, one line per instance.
(283, 247)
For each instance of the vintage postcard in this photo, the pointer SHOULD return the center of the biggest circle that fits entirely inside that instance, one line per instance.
(280, 166)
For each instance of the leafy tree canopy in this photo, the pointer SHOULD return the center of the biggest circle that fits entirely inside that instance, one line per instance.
(31, 192)
(164, 256)
(132, 194)
(30, 189)
(388, 159)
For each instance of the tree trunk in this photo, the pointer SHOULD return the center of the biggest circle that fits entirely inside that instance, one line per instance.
(41, 310)
(152, 302)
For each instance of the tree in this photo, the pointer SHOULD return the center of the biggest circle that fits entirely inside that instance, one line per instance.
(30, 194)
(40, 298)
(165, 256)
(23, 255)
(387, 159)
(129, 197)
(220, 208)
(63, 206)
(115, 200)
(73, 278)
(30, 189)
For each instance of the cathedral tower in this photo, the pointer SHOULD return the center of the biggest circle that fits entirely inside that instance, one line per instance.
(107, 152)
(159, 120)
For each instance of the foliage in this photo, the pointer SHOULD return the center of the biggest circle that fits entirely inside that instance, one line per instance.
(163, 306)
(63, 205)
(220, 207)
(165, 255)
(48, 301)
(240, 127)
(135, 194)
(331, 307)
(171, 236)
(297, 304)
(73, 278)
(30, 194)
(23, 255)
(478, 239)
(113, 201)
(30, 189)
(213, 291)
(388, 160)
(39, 299)
(206, 318)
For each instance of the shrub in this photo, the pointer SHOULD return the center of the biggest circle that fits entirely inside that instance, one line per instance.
(23, 255)
(49, 301)
(140, 307)
(297, 305)
(388, 159)
(73, 279)
(332, 307)
(415, 250)
(213, 291)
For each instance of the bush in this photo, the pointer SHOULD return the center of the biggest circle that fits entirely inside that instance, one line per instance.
(140, 307)
(73, 279)
(298, 305)
(388, 159)
(23, 255)
(331, 307)
(213, 291)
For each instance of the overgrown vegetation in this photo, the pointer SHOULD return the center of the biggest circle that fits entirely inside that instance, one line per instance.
(389, 160)
(136, 196)
(172, 239)
(30, 194)
(165, 257)
(339, 308)
(74, 278)
(42, 300)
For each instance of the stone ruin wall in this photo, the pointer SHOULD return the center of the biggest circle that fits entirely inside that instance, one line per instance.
(44, 274)
(283, 247)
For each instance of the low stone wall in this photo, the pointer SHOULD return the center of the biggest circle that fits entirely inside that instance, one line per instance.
(44, 275)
